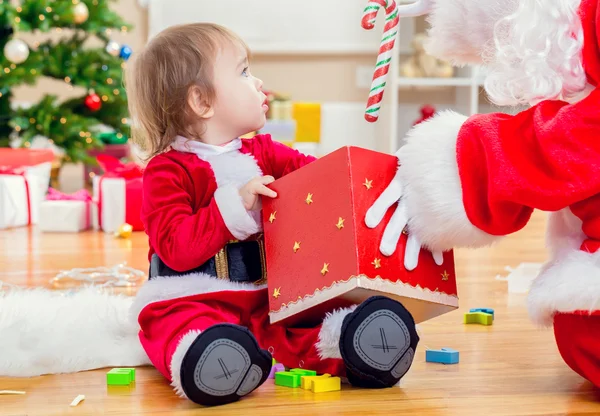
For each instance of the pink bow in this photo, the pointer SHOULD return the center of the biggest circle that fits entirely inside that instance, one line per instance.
(81, 195)
(114, 168)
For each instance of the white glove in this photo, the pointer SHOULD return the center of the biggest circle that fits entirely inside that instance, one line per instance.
(394, 228)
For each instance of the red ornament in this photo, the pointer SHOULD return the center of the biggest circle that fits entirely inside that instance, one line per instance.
(320, 255)
(93, 102)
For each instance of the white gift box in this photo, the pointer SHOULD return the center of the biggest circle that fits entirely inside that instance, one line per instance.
(20, 199)
(113, 203)
(65, 216)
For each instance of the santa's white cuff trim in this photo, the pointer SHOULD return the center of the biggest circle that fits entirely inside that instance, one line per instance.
(238, 220)
(328, 345)
(173, 287)
(432, 189)
(177, 359)
(567, 284)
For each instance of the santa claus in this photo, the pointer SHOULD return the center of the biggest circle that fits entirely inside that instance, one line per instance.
(468, 181)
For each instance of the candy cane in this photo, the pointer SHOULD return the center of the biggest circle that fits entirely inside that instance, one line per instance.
(386, 48)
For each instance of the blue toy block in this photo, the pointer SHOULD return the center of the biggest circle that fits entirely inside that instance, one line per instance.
(443, 356)
(484, 310)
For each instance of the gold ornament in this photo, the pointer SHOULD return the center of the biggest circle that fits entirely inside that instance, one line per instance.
(325, 269)
(296, 246)
(340, 223)
(445, 276)
(309, 199)
(272, 217)
(377, 263)
(368, 184)
(276, 292)
(80, 13)
(124, 231)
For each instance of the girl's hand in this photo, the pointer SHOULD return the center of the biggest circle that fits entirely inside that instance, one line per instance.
(251, 191)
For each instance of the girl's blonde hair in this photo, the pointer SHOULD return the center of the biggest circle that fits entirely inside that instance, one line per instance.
(160, 78)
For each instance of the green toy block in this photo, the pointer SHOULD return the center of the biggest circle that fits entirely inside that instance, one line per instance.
(479, 318)
(303, 372)
(120, 376)
(287, 379)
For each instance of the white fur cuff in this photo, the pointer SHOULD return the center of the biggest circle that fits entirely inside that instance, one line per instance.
(328, 345)
(432, 188)
(240, 222)
(569, 283)
(177, 359)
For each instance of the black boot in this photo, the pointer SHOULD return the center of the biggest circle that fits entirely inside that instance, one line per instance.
(378, 343)
(223, 364)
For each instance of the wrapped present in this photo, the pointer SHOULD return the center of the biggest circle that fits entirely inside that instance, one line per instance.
(37, 164)
(65, 212)
(118, 151)
(117, 195)
(19, 200)
(320, 255)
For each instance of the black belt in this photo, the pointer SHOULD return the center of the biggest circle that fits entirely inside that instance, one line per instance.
(238, 261)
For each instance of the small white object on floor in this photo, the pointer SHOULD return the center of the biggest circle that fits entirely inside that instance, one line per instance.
(78, 400)
(12, 392)
(520, 278)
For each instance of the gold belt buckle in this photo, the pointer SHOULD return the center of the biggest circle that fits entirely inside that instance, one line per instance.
(222, 265)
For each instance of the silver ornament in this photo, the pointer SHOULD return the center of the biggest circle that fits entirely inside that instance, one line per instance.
(113, 48)
(16, 51)
(80, 13)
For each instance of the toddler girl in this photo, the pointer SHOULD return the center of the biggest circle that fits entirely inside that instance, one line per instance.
(204, 311)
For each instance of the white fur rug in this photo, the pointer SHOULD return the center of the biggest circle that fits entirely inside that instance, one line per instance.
(49, 332)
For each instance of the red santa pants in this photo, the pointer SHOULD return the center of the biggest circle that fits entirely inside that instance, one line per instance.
(578, 339)
(165, 322)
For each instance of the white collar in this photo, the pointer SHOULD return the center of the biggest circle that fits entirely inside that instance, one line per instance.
(203, 150)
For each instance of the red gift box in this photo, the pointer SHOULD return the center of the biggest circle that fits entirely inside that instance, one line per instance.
(320, 255)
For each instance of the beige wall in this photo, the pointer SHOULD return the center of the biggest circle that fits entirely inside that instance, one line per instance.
(310, 78)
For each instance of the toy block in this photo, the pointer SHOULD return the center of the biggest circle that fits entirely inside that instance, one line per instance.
(303, 372)
(478, 318)
(443, 356)
(120, 376)
(326, 384)
(307, 381)
(287, 379)
(277, 368)
(484, 310)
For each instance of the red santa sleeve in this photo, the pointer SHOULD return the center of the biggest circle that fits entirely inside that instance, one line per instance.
(546, 158)
(281, 159)
(182, 238)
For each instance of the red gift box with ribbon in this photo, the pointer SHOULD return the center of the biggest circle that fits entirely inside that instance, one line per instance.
(320, 254)
(117, 195)
(62, 212)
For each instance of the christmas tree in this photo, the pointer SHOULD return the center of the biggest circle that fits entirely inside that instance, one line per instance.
(74, 124)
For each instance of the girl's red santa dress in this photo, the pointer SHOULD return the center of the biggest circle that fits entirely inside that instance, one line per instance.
(469, 181)
(204, 312)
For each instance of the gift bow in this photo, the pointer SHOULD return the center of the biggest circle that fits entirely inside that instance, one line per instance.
(81, 195)
(114, 168)
(9, 170)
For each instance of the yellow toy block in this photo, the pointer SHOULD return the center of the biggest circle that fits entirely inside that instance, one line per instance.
(326, 384)
(478, 318)
(308, 122)
(306, 382)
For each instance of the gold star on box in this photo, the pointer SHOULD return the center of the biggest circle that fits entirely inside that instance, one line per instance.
(325, 269)
(272, 217)
(276, 292)
(296, 246)
(368, 184)
(445, 276)
(377, 263)
(309, 199)
(340, 223)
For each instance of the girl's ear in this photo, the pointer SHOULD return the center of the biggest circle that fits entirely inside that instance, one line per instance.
(198, 105)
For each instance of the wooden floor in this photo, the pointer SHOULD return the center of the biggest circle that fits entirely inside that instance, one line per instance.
(510, 368)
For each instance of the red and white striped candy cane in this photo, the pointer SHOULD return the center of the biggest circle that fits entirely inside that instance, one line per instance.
(386, 48)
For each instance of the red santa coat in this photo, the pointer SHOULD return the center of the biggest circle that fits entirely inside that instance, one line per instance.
(192, 206)
(467, 181)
